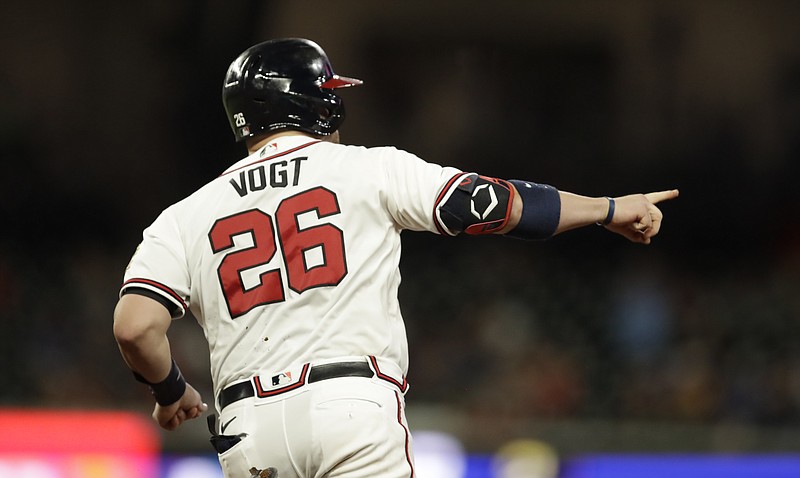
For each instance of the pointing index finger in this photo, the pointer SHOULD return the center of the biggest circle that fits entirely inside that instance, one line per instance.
(657, 197)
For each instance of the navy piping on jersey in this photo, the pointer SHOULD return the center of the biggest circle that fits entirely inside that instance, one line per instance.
(284, 153)
(158, 286)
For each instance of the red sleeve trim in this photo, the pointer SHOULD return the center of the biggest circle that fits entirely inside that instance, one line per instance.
(158, 286)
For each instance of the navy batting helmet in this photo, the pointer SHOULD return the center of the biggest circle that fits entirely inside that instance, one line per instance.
(283, 84)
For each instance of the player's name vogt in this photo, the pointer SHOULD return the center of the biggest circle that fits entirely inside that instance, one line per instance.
(275, 174)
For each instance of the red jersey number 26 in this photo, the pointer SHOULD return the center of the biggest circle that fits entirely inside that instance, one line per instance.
(314, 256)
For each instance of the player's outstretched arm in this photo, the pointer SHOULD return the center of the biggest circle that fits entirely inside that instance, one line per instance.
(541, 211)
(476, 204)
(634, 216)
(140, 329)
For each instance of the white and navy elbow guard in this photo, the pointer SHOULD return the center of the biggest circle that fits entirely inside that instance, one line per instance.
(473, 204)
(476, 204)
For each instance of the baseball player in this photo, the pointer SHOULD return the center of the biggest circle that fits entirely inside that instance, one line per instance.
(289, 262)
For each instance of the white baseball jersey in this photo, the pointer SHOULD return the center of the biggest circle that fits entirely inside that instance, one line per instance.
(291, 255)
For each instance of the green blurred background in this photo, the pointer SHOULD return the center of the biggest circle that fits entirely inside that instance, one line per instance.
(111, 111)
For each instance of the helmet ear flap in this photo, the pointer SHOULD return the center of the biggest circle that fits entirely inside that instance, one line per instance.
(324, 113)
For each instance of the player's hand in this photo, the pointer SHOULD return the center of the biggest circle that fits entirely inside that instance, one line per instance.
(637, 217)
(189, 406)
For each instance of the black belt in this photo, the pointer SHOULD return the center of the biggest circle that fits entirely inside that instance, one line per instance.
(237, 392)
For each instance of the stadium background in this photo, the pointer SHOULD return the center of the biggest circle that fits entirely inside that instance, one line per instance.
(586, 343)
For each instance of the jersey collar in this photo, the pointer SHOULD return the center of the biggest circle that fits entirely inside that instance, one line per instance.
(274, 149)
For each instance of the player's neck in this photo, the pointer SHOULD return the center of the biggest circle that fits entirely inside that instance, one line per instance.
(254, 144)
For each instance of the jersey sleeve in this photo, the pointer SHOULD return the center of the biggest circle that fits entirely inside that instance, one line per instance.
(413, 187)
(159, 266)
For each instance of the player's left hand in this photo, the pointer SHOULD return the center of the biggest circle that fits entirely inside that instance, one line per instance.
(190, 405)
(637, 217)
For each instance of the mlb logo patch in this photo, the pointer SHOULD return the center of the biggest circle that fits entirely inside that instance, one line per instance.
(281, 379)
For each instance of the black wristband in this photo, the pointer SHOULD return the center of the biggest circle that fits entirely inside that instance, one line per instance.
(169, 390)
(610, 214)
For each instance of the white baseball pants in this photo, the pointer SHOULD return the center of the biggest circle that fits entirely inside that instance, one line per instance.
(348, 427)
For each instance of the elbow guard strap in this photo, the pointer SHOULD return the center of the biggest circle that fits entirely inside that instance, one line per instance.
(541, 211)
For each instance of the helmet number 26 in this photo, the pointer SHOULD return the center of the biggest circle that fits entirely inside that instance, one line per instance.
(324, 241)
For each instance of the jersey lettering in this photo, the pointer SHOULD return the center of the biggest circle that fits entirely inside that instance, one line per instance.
(276, 176)
(313, 256)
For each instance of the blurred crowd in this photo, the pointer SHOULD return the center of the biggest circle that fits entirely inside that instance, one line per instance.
(579, 335)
